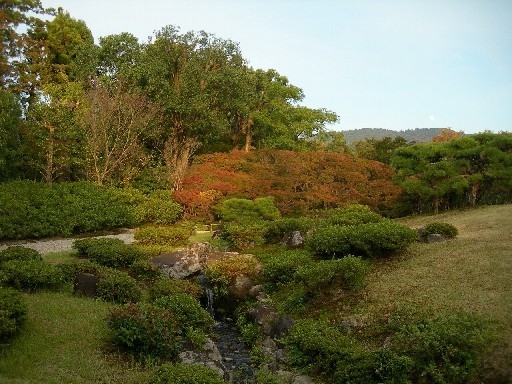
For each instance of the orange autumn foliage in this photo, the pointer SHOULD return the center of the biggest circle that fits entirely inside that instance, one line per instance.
(299, 181)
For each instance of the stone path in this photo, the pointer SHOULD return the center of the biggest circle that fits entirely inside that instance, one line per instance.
(59, 245)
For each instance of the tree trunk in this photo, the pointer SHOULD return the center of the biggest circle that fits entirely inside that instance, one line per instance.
(248, 134)
(473, 195)
(177, 154)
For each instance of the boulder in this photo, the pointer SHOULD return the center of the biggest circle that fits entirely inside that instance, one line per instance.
(240, 288)
(281, 327)
(435, 238)
(85, 285)
(189, 261)
(264, 315)
(294, 239)
(209, 357)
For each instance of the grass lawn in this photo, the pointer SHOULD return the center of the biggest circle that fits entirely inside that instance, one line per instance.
(63, 341)
(472, 272)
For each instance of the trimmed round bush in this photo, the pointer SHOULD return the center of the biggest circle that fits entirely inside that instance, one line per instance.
(447, 349)
(186, 374)
(159, 235)
(319, 275)
(145, 330)
(83, 245)
(280, 269)
(447, 230)
(367, 240)
(144, 270)
(168, 287)
(31, 275)
(12, 313)
(187, 309)
(118, 287)
(244, 235)
(114, 255)
(19, 253)
(159, 208)
(247, 211)
(278, 229)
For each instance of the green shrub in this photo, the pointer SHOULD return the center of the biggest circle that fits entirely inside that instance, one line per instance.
(242, 236)
(447, 230)
(319, 275)
(12, 313)
(319, 346)
(186, 374)
(83, 245)
(117, 256)
(168, 287)
(278, 229)
(19, 253)
(159, 208)
(280, 269)
(34, 210)
(447, 349)
(223, 272)
(31, 275)
(247, 211)
(145, 330)
(118, 287)
(144, 270)
(159, 235)
(367, 240)
(187, 309)
(71, 269)
(353, 215)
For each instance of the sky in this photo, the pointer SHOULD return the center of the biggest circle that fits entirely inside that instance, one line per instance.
(394, 64)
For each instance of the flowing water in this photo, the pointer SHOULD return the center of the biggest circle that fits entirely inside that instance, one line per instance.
(235, 355)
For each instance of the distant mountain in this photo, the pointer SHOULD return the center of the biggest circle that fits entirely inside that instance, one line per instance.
(418, 135)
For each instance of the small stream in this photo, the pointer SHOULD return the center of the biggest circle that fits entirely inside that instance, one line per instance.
(235, 355)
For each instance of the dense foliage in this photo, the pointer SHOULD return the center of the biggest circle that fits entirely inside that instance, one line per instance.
(160, 328)
(12, 313)
(33, 210)
(298, 181)
(186, 374)
(443, 350)
(368, 240)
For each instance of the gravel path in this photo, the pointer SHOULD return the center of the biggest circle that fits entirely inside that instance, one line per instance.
(59, 245)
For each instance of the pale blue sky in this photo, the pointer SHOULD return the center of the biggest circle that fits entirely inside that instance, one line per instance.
(376, 63)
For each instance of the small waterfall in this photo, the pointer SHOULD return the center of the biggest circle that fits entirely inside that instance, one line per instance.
(235, 355)
(207, 296)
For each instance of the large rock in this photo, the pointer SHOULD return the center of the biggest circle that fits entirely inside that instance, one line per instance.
(85, 285)
(264, 315)
(294, 239)
(435, 238)
(241, 287)
(186, 262)
(209, 357)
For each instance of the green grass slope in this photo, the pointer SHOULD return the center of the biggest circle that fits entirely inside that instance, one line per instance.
(472, 272)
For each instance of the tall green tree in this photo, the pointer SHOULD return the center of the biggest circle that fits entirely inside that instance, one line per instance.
(10, 122)
(185, 74)
(427, 174)
(17, 18)
(379, 149)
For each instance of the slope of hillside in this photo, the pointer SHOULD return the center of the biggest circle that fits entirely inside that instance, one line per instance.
(419, 135)
(472, 272)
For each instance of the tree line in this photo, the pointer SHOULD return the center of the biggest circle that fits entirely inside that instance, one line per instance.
(129, 113)
(72, 109)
